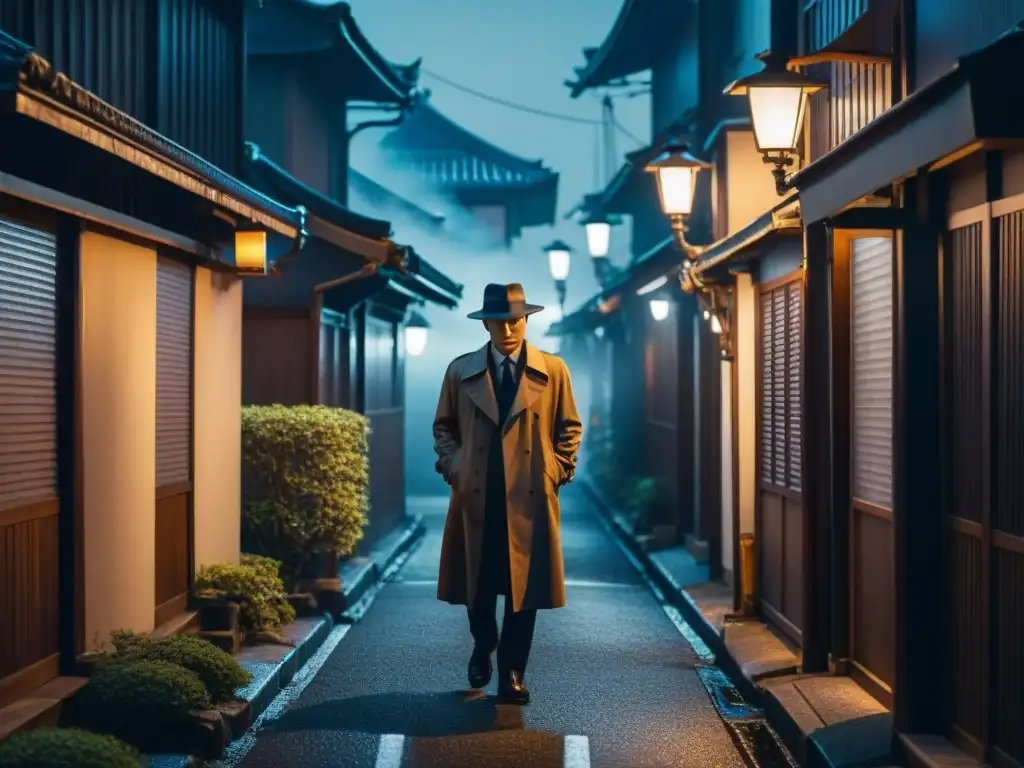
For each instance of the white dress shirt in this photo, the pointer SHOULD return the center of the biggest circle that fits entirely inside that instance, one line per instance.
(499, 359)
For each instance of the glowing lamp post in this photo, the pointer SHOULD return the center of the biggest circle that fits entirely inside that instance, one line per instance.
(599, 235)
(416, 330)
(676, 171)
(659, 309)
(559, 259)
(778, 101)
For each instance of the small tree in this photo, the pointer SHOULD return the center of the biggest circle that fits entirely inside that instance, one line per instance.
(305, 482)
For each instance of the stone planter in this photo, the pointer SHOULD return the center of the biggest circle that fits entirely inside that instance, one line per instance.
(320, 579)
(217, 615)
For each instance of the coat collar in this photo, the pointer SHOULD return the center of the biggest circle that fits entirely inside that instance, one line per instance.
(480, 388)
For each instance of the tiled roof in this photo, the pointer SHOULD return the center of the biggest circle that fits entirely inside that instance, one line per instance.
(447, 155)
(316, 26)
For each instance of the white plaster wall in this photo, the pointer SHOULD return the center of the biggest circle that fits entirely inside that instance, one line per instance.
(217, 417)
(746, 394)
(750, 184)
(727, 468)
(118, 343)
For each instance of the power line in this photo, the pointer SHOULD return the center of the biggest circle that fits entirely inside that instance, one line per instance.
(523, 107)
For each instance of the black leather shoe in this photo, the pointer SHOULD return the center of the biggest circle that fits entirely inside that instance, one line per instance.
(512, 689)
(480, 668)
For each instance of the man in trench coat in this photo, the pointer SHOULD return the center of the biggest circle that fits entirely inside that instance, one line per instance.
(506, 435)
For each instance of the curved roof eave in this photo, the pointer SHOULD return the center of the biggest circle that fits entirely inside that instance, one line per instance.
(398, 78)
(424, 125)
(629, 47)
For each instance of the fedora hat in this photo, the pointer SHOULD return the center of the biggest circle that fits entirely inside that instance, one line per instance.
(504, 302)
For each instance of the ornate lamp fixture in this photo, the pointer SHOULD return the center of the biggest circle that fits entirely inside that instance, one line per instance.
(778, 100)
(559, 260)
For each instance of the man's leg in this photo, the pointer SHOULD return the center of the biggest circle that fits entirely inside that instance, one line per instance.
(514, 653)
(516, 638)
(483, 625)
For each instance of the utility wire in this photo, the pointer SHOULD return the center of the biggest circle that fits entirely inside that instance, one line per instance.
(523, 107)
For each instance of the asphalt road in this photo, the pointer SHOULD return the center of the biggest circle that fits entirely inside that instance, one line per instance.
(612, 680)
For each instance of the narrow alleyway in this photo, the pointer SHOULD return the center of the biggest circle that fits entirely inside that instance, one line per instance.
(612, 679)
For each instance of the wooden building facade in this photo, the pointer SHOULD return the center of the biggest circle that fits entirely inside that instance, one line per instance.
(120, 317)
(327, 328)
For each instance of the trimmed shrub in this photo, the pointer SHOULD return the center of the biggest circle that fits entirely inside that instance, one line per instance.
(219, 671)
(305, 482)
(259, 593)
(263, 563)
(66, 748)
(139, 701)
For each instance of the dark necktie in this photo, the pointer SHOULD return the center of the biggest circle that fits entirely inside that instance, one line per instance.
(508, 376)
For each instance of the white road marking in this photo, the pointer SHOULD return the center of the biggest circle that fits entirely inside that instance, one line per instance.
(576, 752)
(389, 753)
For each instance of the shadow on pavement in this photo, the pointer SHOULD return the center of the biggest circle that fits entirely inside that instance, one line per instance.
(416, 715)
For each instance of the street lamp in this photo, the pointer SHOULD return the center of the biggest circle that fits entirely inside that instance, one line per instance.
(778, 100)
(659, 309)
(599, 234)
(677, 172)
(416, 334)
(559, 258)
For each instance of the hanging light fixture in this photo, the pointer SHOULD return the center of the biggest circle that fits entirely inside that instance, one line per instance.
(676, 171)
(659, 309)
(416, 332)
(778, 100)
(559, 261)
(599, 235)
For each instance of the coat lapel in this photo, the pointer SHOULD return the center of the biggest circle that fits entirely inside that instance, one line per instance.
(532, 384)
(477, 383)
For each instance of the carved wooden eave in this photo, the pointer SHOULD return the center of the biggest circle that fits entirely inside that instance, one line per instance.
(31, 88)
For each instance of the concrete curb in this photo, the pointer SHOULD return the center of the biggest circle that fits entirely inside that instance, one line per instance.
(362, 579)
(268, 680)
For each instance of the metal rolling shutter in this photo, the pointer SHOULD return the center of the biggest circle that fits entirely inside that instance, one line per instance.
(767, 338)
(794, 373)
(871, 370)
(778, 383)
(173, 372)
(28, 357)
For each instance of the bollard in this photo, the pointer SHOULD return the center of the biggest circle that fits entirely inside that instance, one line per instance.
(748, 574)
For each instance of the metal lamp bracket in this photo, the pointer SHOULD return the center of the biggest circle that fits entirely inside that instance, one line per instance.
(781, 161)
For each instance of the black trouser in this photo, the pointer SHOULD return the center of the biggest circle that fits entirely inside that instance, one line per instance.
(516, 631)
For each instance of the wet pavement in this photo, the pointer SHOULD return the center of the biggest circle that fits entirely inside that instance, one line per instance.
(614, 682)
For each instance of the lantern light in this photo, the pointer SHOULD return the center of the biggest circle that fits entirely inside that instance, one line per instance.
(677, 172)
(652, 286)
(599, 331)
(559, 258)
(599, 235)
(251, 251)
(716, 325)
(659, 309)
(416, 332)
(778, 100)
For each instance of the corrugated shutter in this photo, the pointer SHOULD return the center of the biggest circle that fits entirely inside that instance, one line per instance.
(794, 373)
(781, 371)
(871, 370)
(28, 358)
(173, 372)
(767, 409)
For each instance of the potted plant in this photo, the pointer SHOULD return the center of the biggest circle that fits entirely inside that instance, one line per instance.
(218, 612)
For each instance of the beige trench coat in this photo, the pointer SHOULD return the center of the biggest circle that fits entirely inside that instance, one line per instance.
(542, 436)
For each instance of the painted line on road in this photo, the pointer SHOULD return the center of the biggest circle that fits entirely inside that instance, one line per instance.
(576, 752)
(391, 750)
(389, 753)
(288, 695)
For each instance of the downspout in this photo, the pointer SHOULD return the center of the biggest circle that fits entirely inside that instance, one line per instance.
(297, 243)
(341, 181)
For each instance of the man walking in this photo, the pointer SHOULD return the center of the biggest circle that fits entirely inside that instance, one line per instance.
(506, 435)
